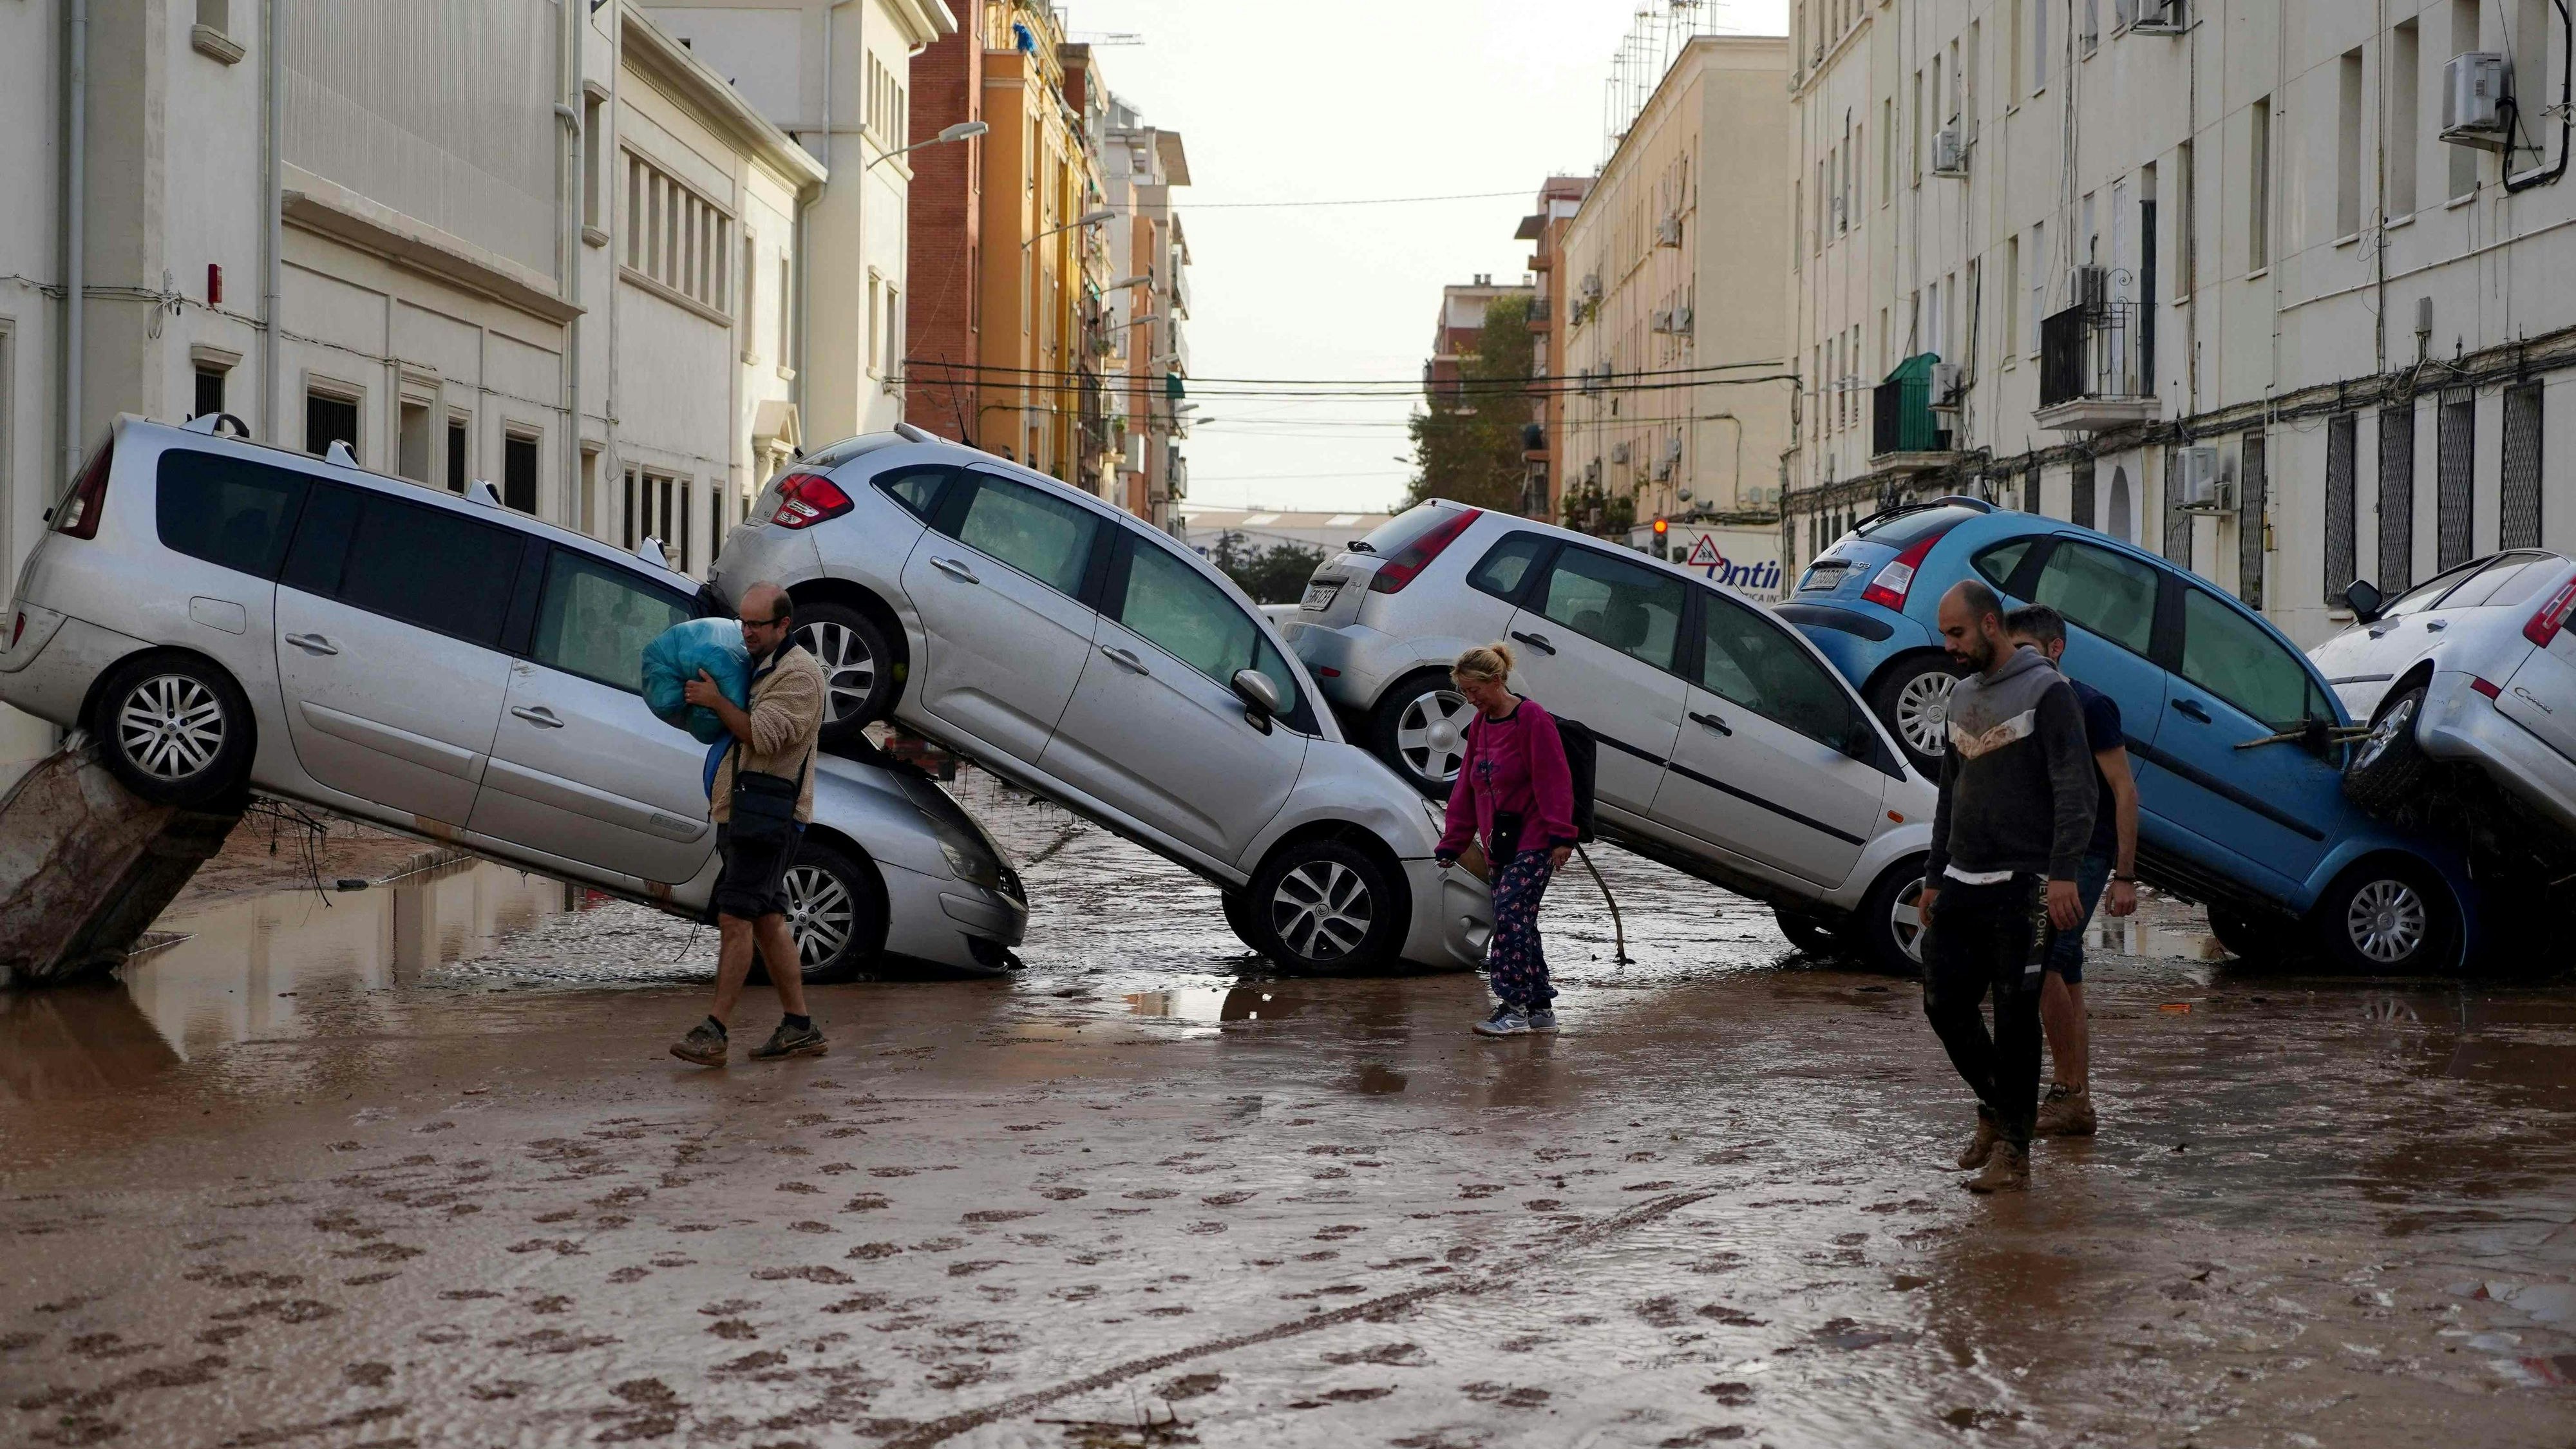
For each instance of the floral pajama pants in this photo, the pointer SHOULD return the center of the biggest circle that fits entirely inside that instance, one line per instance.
(1517, 965)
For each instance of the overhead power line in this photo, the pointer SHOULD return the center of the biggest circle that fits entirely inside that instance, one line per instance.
(1412, 383)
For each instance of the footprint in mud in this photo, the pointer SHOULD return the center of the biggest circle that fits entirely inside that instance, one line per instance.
(733, 1328)
(939, 1245)
(999, 1215)
(1708, 1434)
(867, 1202)
(811, 1227)
(763, 1359)
(1226, 1199)
(367, 1375)
(107, 1346)
(1526, 1343)
(553, 1340)
(811, 1274)
(867, 1251)
(1400, 1355)
(1731, 1317)
(1149, 1194)
(858, 1303)
(1062, 1194)
(284, 1310)
(630, 1275)
(798, 1187)
(1508, 1397)
(1338, 1231)
(891, 1171)
(1732, 1393)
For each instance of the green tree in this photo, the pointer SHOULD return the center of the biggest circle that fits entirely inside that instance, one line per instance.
(1468, 448)
(1276, 575)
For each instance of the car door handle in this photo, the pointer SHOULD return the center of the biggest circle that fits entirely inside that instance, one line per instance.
(2193, 708)
(2432, 624)
(538, 715)
(1125, 658)
(955, 569)
(1535, 641)
(1713, 722)
(312, 643)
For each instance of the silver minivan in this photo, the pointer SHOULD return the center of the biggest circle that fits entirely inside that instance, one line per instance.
(221, 614)
(1081, 653)
(1729, 748)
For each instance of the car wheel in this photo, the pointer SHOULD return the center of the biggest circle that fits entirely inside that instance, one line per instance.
(2387, 916)
(1912, 699)
(1890, 923)
(1238, 917)
(175, 729)
(2386, 776)
(2250, 935)
(836, 910)
(858, 669)
(1811, 934)
(1421, 729)
(1322, 906)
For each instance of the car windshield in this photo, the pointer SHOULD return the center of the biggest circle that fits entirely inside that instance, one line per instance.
(1903, 530)
(1398, 533)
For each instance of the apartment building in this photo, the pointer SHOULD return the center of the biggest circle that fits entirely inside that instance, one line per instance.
(1559, 197)
(1673, 343)
(1146, 311)
(2267, 287)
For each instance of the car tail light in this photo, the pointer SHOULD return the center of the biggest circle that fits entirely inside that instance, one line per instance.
(806, 499)
(2491, 691)
(2544, 625)
(18, 630)
(78, 516)
(1416, 556)
(1896, 577)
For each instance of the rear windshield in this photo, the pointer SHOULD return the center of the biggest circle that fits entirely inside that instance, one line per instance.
(1903, 530)
(1398, 533)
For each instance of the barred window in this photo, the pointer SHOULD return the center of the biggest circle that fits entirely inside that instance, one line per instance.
(2340, 532)
(2396, 498)
(676, 237)
(2252, 496)
(2520, 515)
(2454, 496)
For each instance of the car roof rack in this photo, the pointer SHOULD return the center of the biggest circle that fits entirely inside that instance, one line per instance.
(1945, 500)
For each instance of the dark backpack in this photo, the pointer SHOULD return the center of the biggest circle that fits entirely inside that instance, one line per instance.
(1582, 749)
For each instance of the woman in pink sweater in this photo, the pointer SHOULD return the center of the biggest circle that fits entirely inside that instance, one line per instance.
(1515, 794)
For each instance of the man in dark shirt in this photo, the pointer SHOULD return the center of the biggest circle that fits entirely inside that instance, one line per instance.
(2110, 857)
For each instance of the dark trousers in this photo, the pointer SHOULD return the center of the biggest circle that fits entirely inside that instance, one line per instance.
(1990, 938)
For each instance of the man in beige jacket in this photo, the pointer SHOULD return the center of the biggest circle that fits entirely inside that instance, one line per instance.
(777, 735)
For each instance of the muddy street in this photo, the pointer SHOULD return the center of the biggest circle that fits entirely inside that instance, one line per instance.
(408, 1165)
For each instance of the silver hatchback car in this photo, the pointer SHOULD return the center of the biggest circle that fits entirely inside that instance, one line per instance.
(1731, 750)
(1084, 655)
(221, 615)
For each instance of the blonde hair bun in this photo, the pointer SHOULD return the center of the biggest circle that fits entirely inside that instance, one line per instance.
(1485, 662)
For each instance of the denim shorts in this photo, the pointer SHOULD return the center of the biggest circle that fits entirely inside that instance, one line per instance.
(2066, 948)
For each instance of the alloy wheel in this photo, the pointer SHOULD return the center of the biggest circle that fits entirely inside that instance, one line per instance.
(2392, 726)
(1322, 910)
(1431, 734)
(849, 667)
(821, 914)
(2387, 921)
(171, 726)
(1923, 711)
(1905, 920)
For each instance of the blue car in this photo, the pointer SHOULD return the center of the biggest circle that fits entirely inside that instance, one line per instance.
(2260, 832)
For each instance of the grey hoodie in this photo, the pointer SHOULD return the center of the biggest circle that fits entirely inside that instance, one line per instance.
(2017, 784)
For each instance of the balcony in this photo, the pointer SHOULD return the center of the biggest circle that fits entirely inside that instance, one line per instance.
(1905, 435)
(1539, 312)
(2088, 378)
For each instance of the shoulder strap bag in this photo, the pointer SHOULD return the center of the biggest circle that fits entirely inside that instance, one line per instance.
(764, 806)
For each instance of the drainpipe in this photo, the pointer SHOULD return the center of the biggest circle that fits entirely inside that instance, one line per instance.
(272, 265)
(75, 240)
(568, 239)
(2566, 116)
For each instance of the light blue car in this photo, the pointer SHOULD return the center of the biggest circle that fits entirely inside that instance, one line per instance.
(2260, 832)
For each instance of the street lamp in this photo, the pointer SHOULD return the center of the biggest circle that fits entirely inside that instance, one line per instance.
(1123, 283)
(1088, 218)
(962, 131)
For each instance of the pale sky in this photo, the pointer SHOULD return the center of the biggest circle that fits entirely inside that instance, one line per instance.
(1339, 100)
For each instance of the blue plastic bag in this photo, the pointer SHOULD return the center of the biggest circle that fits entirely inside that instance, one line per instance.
(674, 658)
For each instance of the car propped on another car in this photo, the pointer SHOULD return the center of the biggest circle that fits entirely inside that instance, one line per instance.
(1084, 655)
(223, 615)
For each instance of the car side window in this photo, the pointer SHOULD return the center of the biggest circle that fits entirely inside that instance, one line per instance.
(431, 567)
(1049, 539)
(1180, 612)
(1633, 609)
(1748, 660)
(595, 619)
(916, 488)
(2106, 593)
(1505, 568)
(228, 511)
(2503, 574)
(1997, 563)
(2426, 594)
(2236, 659)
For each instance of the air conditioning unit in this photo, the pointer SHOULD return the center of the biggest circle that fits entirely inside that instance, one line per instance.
(1589, 379)
(2089, 288)
(2476, 88)
(1618, 455)
(1681, 321)
(1950, 152)
(2159, 17)
(1592, 287)
(1660, 320)
(1839, 222)
(1664, 470)
(1668, 232)
(2197, 478)
(1592, 472)
(1948, 382)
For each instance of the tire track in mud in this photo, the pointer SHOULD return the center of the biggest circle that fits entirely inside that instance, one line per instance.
(937, 1431)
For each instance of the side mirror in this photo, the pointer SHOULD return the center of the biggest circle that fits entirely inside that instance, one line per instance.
(2363, 597)
(1260, 697)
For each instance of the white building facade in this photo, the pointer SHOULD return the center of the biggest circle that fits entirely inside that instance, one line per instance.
(1147, 320)
(2207, 276)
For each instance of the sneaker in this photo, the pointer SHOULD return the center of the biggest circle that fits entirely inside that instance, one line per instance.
(704, 1046)
(2066, 1113)
(789, 1041)
(2008, 1170)
(1507, 1020)
(1542, 1020)
(1981, 1146)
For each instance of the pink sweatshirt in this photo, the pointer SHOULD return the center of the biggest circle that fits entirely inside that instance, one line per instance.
(1515, 764)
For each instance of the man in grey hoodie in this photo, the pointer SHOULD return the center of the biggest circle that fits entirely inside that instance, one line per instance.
(2015, 814)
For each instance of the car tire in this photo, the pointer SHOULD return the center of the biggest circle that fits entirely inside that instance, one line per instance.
(1420, 729)
(1322, 907)
(1812, 935)
(859, 672)
(2387, 916)
(2252, 935)
(174, 729)
(1889, 927)
(2387, 775)
(1237, 906)
(1912, 698)
(836, 910)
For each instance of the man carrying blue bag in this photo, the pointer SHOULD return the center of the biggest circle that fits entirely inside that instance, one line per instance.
(761, 801)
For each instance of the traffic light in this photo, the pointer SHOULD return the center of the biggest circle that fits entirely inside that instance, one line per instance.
(1663, 539)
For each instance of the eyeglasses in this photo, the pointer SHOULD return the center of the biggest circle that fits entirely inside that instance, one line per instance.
(766, 623)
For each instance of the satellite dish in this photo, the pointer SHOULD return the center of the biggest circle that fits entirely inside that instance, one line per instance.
(480, 491)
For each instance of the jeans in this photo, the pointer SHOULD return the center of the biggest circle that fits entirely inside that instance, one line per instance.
(2066, 948)
(1518, 966)
(1985, 938)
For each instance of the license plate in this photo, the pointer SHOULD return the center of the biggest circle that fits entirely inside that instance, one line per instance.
(1825, 576)
(1320, 596)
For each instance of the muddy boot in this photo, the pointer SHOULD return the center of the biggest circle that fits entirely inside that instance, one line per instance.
(1981, 1146)
(704, 1046)
(2008, 1170)
(2066, 1113)
(791, 1041)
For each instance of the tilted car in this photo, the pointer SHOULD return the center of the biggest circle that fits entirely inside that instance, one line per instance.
(1730, 749)
(2230, 728)
(1077, 651)
(221, 614)
(2472, 668)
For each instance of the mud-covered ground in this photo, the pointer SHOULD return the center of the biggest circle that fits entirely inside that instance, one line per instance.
(408, 1166)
